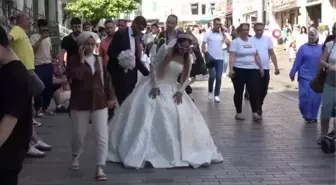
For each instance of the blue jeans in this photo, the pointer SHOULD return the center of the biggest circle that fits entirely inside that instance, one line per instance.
(216, 73)
(226, 59)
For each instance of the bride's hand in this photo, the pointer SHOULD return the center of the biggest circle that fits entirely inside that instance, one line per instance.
(112, 103)
(178, 98)
(155, 91)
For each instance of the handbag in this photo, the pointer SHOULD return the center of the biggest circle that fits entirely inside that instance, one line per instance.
(209, 60)
(317, 83)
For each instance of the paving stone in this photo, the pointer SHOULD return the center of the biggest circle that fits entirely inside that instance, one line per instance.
(280, 150)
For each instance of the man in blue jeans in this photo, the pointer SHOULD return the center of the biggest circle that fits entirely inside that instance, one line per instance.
(212, 47)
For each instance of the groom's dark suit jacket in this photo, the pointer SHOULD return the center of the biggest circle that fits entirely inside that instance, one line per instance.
(124, 83)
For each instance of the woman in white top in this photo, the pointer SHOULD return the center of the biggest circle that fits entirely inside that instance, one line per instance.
(245, 69)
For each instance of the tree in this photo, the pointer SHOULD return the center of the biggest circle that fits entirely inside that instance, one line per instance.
(94, 10)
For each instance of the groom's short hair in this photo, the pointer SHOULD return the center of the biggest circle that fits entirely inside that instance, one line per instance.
(140, 20)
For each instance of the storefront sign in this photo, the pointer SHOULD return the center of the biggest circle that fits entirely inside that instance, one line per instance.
(228, 6)
(281, 5)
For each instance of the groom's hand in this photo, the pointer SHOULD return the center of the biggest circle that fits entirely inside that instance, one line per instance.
(155, 91)
(112, 103)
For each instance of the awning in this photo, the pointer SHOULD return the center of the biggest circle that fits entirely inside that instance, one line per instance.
(206, 19)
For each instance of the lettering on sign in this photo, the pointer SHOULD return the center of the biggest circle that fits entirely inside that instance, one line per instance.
(281, 2)
(312, 1)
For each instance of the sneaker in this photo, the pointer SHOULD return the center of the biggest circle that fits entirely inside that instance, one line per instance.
(239, 116)
(61, 109)
(42, 146)
(36, 123)
(319, 140)
(34, 152)
(210, 96)
(39, 114)
(217, 99)
(75, 163)
(100, 175)
(49, 113)
(257, 117)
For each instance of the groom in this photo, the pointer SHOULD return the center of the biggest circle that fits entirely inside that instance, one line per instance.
(126, 39)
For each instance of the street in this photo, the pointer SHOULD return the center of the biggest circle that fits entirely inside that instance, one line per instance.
(280, 150)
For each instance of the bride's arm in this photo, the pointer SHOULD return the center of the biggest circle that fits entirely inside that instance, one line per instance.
(184, 80)
(158, 70)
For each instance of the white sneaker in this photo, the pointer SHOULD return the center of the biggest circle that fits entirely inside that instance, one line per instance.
(210, 96)
(100, 175)
(42, 145)
(75, 163)
(36, 123)
(256, 117)
(239, 116)
(34, 152)
(217, 99)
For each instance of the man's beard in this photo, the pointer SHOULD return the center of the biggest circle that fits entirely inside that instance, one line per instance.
(76, 33)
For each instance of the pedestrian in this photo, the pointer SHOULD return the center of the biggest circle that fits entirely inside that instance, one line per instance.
(22, 47)
(91, 96)
(245, 69)
(264, 46)
(212, 46)
(43, 67)
(15, 113)
(306, 65)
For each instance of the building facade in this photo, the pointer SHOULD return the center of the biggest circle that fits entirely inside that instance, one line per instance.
(247, 11)
(304, 12)
(186, 10)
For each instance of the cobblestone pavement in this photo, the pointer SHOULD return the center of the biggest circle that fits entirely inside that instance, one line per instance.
(280, 150)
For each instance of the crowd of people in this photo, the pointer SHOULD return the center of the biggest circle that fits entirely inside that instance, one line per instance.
(152, 119)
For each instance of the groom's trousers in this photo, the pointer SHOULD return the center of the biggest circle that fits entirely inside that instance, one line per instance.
(80, 122)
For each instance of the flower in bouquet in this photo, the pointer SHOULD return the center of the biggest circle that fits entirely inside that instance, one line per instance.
(127, 60)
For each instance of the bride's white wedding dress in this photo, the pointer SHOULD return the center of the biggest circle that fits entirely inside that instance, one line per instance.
(158, 130)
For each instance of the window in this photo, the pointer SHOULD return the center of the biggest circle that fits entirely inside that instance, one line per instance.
(154, 6)
(212, 8)
(194, 8)
(203, 9)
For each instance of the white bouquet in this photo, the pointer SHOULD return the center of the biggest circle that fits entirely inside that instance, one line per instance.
(127, 60)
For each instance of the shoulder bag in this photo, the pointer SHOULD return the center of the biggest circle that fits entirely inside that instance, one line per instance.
(317, 83)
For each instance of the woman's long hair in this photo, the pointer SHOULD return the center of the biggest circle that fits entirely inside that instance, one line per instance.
(303, 30)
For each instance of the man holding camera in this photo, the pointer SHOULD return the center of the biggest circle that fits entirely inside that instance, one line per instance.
(212, 47)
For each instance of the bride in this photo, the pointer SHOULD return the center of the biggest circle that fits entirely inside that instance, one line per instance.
(158, 123)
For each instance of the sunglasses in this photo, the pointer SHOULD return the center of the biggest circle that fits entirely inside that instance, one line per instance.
(185, 49)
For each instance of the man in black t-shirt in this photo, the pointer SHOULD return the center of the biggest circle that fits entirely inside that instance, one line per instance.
(15, 113)
(69, 44)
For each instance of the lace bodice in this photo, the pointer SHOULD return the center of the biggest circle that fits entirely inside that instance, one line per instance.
(171, 73)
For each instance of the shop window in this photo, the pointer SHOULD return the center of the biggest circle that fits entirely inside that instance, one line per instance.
(203, 9)
(194, 9)
(212, 8)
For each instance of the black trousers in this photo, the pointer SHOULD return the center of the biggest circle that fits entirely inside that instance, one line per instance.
(250, 78)
(264, 82)
(9, 177)
(45, 73)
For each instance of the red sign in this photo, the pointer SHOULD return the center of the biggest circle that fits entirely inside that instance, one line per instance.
(276, 33)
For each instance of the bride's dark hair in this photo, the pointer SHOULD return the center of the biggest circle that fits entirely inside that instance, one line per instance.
(176, 48)
(175, 51)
